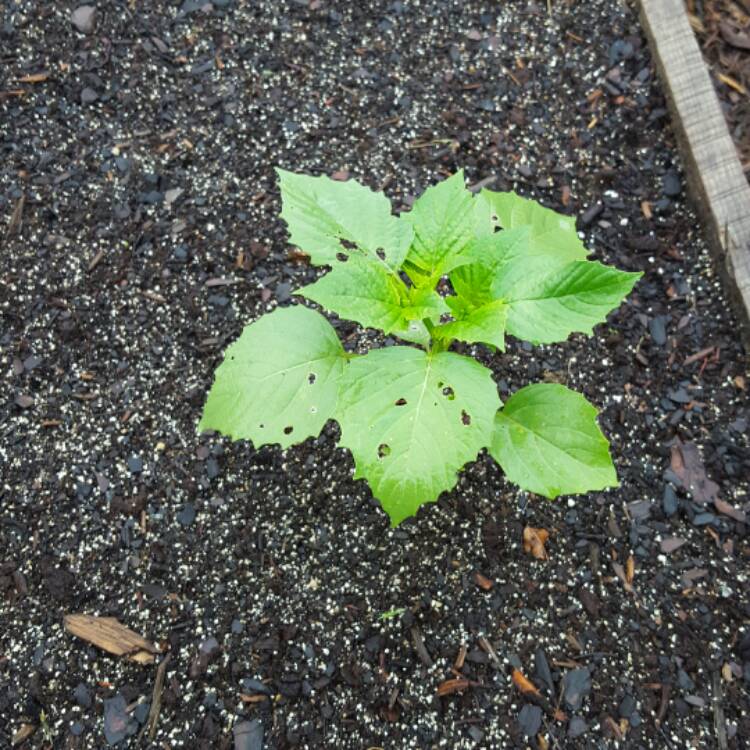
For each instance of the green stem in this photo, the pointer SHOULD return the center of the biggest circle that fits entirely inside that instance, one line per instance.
(436, 345)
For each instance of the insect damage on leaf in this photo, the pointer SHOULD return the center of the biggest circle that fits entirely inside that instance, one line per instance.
(457, 267)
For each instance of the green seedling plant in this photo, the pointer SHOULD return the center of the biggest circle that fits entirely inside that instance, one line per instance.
(457, 267)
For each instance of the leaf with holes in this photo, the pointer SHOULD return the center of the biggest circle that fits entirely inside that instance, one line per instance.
(327, 218)
(412, 420)
(366, 292)
(550, 232)
(547, 441)
(279, 381)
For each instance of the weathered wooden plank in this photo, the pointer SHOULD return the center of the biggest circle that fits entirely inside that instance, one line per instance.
(715, 177)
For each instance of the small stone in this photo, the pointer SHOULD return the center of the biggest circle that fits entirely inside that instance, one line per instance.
(118, 724)
(530, 720)
(591, 213)
(135, 464)
(84, 18)
(141, 712)
(576, 685)
(248, 735)
(187, 515)
(82, 695)
(671, 184)
(703, 519)
(627, 706)
(576, 727)
(671, 543)
(669, 501)
(657, 329)
(88, 95)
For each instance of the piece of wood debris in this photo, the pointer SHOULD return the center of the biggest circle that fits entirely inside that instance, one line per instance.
(524, 684)
(534, 541)
(422, 653)
(109, 635)
(452, 686)
(23, 733)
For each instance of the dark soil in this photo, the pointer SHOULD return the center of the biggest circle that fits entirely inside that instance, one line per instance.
(141, 209)
(723, 31)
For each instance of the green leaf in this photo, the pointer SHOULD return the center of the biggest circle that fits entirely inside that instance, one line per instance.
(574, 298)
(412, 420)
(547, 441)
(551, 232)
(279, 381)
(479, 313)
(321, 212)
(484, 324)
(444, 220)
(371, 295)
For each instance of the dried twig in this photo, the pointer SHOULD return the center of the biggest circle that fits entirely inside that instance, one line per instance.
(153, 714)
(422, 652)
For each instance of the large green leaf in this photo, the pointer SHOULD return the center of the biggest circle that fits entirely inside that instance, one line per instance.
(574, 298)
(547, 441)
(321, 212)
(279, 381)
(412, 420)
(445, 222)
(368, 293)
(551, 232)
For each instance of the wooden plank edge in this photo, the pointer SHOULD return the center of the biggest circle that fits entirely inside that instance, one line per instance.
(727, 230)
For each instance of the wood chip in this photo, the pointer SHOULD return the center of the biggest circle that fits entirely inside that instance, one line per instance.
(729, 81)
(534, 541)
(452, 686)
(483, 582)
(16, 219)
(23, 733)
(422, 653)
(523, 683)
(245, 698)
(34, 78)
(459, 663)
(109, 635)
(729, 510)
(630, 569)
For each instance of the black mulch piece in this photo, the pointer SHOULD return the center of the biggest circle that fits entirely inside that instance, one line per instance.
(140, 232)
(722, 28)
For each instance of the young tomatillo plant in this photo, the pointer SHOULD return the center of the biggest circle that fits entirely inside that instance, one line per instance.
(414, 414)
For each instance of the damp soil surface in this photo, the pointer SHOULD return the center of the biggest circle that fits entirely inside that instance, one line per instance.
(722, 28)
(140, 232)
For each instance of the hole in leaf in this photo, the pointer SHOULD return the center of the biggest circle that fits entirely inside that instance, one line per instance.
(401, 402)
(347, 244)
(342, 257)
(440, 383)
(311, 378)
(494, 217)
(261, 426)
(497, 228)
(288, 430)
(313, 410)
(448, 393)
(380, 253)
(465, 418)
(384, 450)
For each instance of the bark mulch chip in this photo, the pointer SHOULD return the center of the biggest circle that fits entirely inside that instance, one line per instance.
(140, 232)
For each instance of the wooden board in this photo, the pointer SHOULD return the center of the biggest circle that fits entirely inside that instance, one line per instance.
(715, 177)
